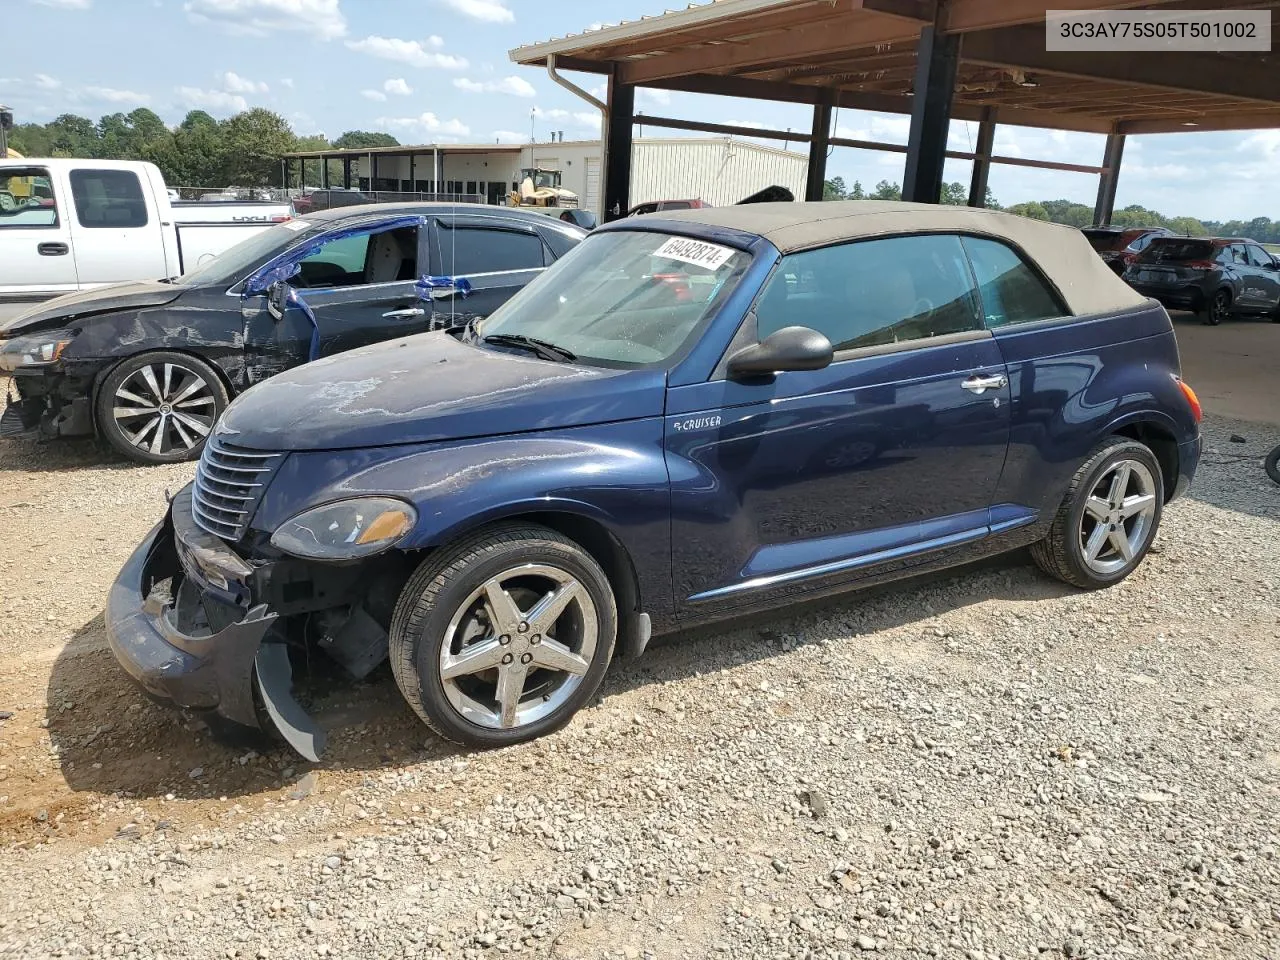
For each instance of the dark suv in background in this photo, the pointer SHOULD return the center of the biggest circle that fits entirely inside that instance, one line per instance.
(1217, 278)
(1118, 247)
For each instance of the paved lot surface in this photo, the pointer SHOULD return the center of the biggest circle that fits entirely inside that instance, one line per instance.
(1235, 367)
(985, 766)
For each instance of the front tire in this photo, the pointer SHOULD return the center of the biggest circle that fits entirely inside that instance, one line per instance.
(504, 636)
(160, 407)
(1108, 518)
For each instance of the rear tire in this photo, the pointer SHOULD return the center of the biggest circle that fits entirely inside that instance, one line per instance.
(160, 407)
(1218, 308)
(504, 636)
(1108, 519)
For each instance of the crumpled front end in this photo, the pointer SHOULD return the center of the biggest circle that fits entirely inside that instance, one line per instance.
(44, 404)
(216, 627)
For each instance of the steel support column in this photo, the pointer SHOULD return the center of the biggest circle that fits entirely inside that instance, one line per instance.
(373, 172)
(324, 172)
(284, 172)
(1108, 180)
(617, 148)
(819, 145)
(346, 173)
(937, 58)
(982, 158)
(413, 184)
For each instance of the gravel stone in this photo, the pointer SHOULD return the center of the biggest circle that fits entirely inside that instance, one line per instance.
(983, 766)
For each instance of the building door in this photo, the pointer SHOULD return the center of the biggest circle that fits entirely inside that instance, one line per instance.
(592, 200)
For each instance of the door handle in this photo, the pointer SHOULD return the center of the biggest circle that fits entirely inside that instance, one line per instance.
(981, 385)
(404, 313)
(52, 249)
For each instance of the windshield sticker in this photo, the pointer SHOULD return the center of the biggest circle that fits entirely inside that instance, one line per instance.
(708, 256)
(296, 224)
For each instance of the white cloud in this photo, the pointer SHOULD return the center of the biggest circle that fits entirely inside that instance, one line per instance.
(510, 136)
(645, 95)
(426, 122)
(513, 86)
(65, 4)
(287, 82)
(234, 83)
(397, 86)
(556, 114)
(46, 82)
(376, 95)
(411, 52)
(321, 18)
(112, 95)
(757, 125)
(490, 11)
(589, 118)
(212, 99)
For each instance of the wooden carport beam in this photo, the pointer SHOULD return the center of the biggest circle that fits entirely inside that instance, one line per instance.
(1198, 73)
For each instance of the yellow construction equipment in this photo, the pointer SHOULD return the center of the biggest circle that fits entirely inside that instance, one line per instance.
(541, 188)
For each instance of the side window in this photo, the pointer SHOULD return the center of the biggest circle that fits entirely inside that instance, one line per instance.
(1239, 255)
(470, 250)
(873, 292)
(388, 256)
(1259, 257)
(110, 199)
(1011, 291)
(1142, 242)
(1226, 255)
(26, 198)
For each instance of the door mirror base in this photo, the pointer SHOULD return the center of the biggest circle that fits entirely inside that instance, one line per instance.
(277, 299)
(788, 349)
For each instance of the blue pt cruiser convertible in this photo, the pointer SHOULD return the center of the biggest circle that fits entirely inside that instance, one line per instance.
(685, 419)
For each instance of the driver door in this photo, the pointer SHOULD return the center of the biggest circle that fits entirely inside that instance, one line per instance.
(808, 480)
(361, 287)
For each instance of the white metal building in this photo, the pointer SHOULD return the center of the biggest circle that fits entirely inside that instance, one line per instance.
(717, 170)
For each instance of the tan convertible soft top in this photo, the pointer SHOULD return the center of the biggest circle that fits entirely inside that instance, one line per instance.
(1061, 252)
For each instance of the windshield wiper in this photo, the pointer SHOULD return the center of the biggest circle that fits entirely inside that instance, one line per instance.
(543, 349)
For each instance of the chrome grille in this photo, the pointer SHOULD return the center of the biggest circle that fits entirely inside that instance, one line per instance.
(229, 483)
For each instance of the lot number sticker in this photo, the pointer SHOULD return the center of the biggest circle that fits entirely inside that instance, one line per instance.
(709, 256)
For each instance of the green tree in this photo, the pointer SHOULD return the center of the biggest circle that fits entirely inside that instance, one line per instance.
(197, 120)
(886, 191)
(72, 136)
(834, 189)
(253, 143)
(857, 193)
(355, 139)
(955, 194)
(1035, 210)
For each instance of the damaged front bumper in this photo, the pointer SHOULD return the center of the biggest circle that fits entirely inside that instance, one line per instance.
(182, 621)
(46, 403)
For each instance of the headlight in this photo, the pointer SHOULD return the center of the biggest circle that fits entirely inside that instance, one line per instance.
(34, 350)
(346, 530)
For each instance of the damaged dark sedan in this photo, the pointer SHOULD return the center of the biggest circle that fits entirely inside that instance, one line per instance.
(150, 366)
(689, 417)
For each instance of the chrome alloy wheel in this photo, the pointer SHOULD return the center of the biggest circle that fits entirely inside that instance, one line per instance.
(1119, 517)
(518, 647)
(164, 407)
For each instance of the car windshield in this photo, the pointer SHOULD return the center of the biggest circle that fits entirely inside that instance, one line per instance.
(236, 262)
(1178, 250)
(623, 298)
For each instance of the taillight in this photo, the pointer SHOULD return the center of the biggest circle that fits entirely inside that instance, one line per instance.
(1197, 412)
(1198, 265)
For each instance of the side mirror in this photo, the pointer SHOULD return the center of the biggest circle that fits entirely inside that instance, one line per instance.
(791, 348)
(278, 299)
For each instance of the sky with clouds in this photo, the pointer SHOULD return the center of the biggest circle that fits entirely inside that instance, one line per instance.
(437, 71)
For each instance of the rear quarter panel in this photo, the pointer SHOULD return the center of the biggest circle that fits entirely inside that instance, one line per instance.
(1077, 381)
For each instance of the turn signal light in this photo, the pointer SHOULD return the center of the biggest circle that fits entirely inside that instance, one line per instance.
(1192, 400)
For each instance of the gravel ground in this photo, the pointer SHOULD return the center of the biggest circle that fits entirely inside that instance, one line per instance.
(984, 766)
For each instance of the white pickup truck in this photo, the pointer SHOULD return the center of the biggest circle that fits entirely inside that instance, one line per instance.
(68, 225)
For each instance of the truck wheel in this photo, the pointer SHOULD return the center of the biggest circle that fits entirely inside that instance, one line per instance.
(159, 407)
(504, 636)
(1108, 519)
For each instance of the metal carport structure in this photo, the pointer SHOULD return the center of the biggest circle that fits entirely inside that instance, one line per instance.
(934, 60)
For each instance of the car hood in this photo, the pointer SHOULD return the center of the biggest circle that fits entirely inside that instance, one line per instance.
(429, 388)
(108, 299)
